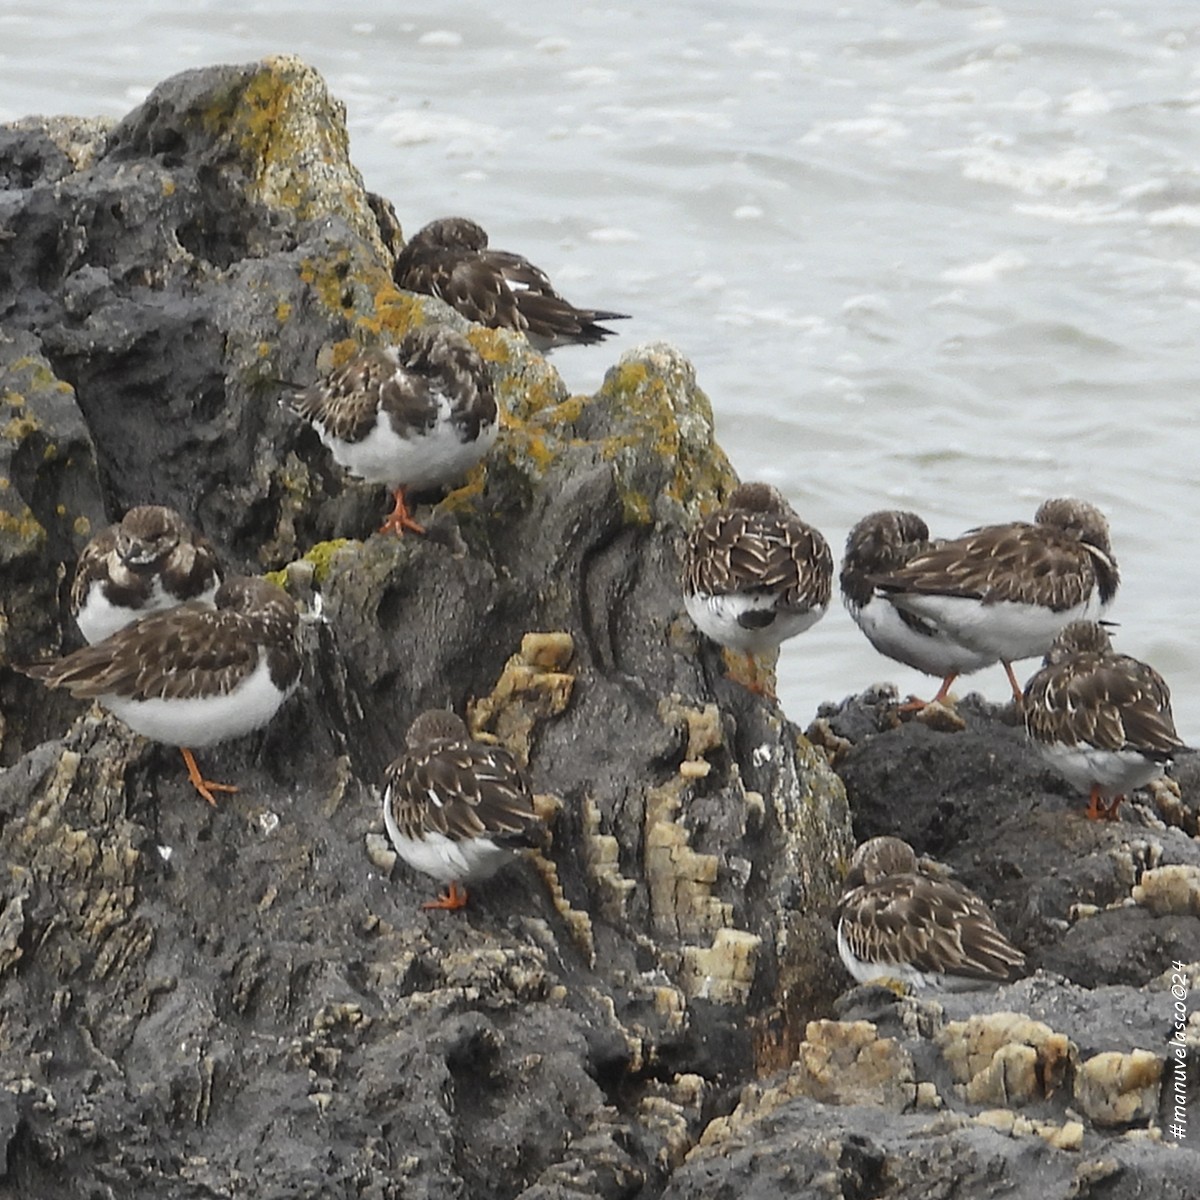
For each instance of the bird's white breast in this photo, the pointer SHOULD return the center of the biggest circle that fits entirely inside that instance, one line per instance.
(99, 618)
(419, 460)
(717, 617)
(467, 860)
(197, 721)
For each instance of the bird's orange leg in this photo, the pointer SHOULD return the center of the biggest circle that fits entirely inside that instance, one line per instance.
(1097, 810)
(205, 787)
(454, 898)
(400, 519)
(915, 703)
(1018, 692)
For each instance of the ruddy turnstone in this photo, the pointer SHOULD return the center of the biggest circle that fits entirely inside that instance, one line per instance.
(754, 574)
(1103, 720)
(455, 808)
(881, 543)
(1007, 591)
(416, 415)
(898, 920)
(193, 675)
(151, 560)
(450, 259)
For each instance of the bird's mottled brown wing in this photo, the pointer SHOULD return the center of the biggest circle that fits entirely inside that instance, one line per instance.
(474, 285)
(347, 400)
(461, 790)
(192, 650)
(1024, 563)
(544, 312)
(1111, 702)
(496, 288)
(737, 551)
(92, 565)
(932, 925)
(436, 364)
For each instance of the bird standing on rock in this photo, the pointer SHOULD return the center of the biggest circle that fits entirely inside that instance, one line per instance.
(754, 573)
(450, 259)
(193, 675)
(883, 542)
(1102, 719)
(413, 416)
(1007, 591)
(456, 808)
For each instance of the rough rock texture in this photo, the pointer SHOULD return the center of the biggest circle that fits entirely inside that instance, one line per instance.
(249, 1001)
(241, 1001)
(1059, 1085)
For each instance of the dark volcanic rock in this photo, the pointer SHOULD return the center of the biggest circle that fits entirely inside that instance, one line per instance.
(249, 1000)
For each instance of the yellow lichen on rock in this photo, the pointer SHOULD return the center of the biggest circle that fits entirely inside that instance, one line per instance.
(654, 387)
(1117, 1089)
(319, 559)
(292, 142)
(1006, 1058)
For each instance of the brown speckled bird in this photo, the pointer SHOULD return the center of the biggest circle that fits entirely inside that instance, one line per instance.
(193, 675)
(416, 415)
(879, 544)
(754, 573)
(456, 808)
(1006, 591)
(898, 920)
(1102, 719)
(450, 259)
(151, 560)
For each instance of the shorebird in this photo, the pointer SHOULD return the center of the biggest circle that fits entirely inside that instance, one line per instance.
(1007, 591)
(898, 920)
(1103, 720)
(450, 259)
(881, 543)
(413, 416)
(151, 560)
(754, 573)
(456, 808)
(193, 675)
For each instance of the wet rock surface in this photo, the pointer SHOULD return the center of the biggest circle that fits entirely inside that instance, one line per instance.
(249, 1001)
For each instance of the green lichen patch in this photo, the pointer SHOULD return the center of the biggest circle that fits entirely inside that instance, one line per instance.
(319, 556)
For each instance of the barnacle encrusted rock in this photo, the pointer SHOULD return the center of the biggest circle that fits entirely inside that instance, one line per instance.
(1119, 1089)
(1170, 890)
(1005, 1058)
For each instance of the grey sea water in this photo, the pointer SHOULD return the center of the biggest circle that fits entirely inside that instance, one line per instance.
(935, 255)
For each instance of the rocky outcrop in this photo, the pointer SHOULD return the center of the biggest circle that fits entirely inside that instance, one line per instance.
(249, 1001)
